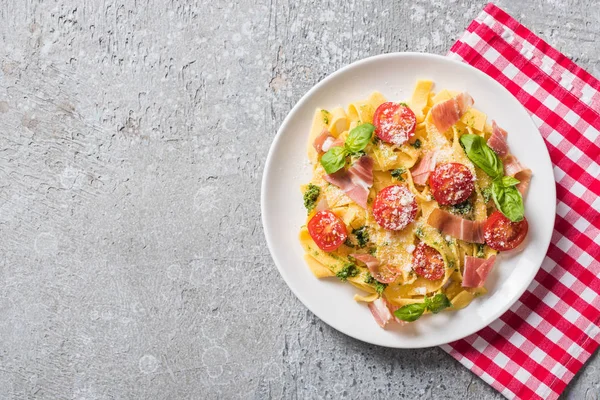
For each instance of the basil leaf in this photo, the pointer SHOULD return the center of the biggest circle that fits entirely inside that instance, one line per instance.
(359, 137)
(509, 181)
(497, 194)
(481, 155)
(334, 159)
(437, 303)
(508, 200)
(410, 312)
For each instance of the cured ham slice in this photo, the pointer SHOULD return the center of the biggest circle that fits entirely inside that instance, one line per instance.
(321, 139)
(470, 276)
(382, 273)
(340, 179)
(356, 181)
(325, 141)
(322, 204)
(361, 172)
(497, 141)
(457, 227)
(476, 271)
(393, 308)
(333, 142)
(369, 260)
(524, 178)
(447, 113)
(484, 270)
(328, 143)
(381, 312)
(420, 173)
(512, 167)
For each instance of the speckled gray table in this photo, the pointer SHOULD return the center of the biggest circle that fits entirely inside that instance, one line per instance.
(133, 137)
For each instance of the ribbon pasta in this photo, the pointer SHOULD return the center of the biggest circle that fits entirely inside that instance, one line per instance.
(394, 248)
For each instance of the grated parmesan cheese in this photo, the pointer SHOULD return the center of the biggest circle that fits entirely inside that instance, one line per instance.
(421, 290)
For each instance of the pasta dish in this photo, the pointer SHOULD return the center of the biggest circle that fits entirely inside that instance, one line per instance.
(411, 201)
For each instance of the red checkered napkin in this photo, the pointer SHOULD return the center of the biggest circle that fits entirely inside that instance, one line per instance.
(535, 348)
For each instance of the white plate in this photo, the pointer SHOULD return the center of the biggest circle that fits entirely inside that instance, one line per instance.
(287, 168)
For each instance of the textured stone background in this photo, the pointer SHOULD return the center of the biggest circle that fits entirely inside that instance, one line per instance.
(133, 137)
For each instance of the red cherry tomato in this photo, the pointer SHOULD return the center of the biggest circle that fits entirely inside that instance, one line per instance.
(394, 123)
(501, 234)
(451, 183)
(394, 207)
(428, 262)
(327, 230)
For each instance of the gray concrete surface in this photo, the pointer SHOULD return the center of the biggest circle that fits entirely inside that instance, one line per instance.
(133, 137)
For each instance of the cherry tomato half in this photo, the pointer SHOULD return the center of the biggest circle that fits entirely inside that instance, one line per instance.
(428, 262)
(501, 234)
(327, 230)
(394, 207)
(395, 123)
(451, 183)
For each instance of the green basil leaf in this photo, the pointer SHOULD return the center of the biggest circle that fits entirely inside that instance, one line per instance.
(508, 181)
(359, 137)
(437, 303)
(508, 200)
(481, 155)
(334, 159)
(410, 312)
(497, 193)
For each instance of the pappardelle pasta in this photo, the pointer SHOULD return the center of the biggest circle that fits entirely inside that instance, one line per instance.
(411, 201)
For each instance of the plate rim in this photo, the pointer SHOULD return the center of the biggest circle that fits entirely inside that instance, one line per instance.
(268, 168)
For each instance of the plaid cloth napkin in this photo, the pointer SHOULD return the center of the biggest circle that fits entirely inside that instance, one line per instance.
(536, 347)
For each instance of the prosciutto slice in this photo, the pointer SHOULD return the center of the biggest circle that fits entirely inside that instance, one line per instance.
(420, 172)
(356, 181)
(322, 204)
(361, 172)
(369, 260)
(381, 273)
(333, 143)
(476, 271)
(393, 308)
(524, 178)
(484, 270)
(325, 141)
(447, 113)
(321, 139)
(457, 227)
(470, 276)
(512, 167)
(381, 312)
(497, 141)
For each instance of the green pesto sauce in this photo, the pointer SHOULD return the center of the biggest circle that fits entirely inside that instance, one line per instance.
(379, 287)
(348, 271)
(325, 114)
(362, 236)
(397, 174)
(310, 197)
